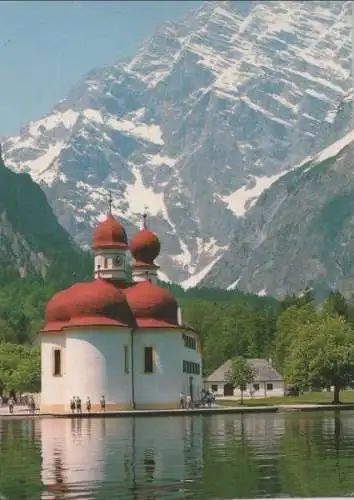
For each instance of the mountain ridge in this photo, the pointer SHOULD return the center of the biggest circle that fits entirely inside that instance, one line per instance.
(32, 242)
(300, 232)
(208, 113)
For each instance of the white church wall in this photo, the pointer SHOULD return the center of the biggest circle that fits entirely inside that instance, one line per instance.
(53, 390)
(95, 364)
(162, 387)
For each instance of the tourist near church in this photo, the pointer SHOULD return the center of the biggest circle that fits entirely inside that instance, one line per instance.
(120, 337)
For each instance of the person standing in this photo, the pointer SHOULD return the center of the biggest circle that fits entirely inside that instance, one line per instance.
(103, 403)
(181, 400)
(88, 404)
(11, 404)
(189, 401)
(72, 404)
(78, 405)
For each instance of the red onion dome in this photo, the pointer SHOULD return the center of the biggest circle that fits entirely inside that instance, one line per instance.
(109, 234)
(97, 302)
(145, 246)
(147, 300)
(57, 308)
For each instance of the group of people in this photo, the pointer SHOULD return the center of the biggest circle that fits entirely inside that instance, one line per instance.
(185, 401)
(207, 398)
(11, 402)
(76, 404)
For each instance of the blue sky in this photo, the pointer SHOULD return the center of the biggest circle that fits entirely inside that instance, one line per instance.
(46, 47)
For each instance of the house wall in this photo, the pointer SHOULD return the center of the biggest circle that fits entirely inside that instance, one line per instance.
(277, 390)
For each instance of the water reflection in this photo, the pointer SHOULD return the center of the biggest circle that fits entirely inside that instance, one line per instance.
(130, 458)
(204, 458)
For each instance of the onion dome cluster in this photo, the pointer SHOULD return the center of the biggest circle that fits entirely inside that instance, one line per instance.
(105, 302)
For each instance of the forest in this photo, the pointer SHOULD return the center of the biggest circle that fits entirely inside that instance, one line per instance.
(231, 324)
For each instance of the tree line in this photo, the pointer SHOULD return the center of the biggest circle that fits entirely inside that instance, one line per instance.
(311, 345)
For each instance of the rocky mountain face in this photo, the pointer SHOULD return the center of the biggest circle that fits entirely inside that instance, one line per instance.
(300, 233)
(207, 114)
(32, 242)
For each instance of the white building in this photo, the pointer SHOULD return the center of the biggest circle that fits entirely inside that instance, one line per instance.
(120, 335)
(267, 381)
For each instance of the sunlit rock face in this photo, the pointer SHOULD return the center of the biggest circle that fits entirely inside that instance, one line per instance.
(205, 117)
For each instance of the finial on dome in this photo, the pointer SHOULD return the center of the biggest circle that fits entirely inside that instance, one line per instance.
(110, 201)
(145, 218)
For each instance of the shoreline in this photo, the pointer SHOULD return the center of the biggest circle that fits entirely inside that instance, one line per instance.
(214, 410)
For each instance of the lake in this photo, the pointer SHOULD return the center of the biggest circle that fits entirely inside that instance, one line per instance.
(197, 457)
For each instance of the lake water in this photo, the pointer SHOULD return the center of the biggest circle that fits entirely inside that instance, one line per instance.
(199, 457)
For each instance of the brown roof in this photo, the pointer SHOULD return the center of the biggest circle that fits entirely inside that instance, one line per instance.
(264, 371)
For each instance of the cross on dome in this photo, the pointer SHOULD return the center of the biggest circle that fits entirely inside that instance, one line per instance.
(110, 202)
(145, 218)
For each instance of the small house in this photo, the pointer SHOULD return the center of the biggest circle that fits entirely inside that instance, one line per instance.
(267, 381)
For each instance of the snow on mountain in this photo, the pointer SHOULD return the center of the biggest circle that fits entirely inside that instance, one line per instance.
(300, 233)
(207, 115)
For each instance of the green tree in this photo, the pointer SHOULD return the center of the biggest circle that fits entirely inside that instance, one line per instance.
(287, 326)
(322, 355)
(240, 374)
(19, 368)
(335, 304)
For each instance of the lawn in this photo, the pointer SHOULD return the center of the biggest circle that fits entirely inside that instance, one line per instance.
(308, 398)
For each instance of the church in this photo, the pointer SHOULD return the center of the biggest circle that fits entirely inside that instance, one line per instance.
(119, 336)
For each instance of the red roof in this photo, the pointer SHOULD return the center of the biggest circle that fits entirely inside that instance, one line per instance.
(98, 302)
(149, 301)
(109, 234)
(145, 246)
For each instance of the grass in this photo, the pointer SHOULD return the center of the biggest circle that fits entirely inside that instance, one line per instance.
(308, 398)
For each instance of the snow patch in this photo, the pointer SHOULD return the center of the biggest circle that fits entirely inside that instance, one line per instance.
(163, 276)
(94, 115)
(334, 148)
(193, 281)
(233, 285)
(245, 197)
(67, 119)
(149, 133)
(39, 168)
(138, 196)
(159, 160)
(264, 112)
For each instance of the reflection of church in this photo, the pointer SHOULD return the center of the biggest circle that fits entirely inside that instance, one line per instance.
(120, 458)
(119, 335)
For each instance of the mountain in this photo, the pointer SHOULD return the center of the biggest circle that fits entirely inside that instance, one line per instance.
(300, 233)
(32, 242)
(208, 113)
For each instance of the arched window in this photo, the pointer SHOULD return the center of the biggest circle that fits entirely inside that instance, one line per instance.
(57, 368)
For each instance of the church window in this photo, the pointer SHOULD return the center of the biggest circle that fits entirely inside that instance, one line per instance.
(148, 360)
(191, 367)
(57, 363)
(126, 359)
(189, 342)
